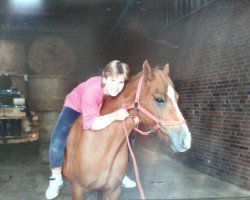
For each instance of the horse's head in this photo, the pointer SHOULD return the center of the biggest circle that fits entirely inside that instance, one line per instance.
(159, 98)
(155, 103)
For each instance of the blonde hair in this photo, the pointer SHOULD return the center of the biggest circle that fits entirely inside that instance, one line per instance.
(115, 68)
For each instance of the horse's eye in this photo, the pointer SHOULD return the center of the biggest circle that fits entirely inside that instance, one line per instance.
(159, 100)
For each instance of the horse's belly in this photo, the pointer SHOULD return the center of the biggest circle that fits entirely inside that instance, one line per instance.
(100, 175)
(92, 180)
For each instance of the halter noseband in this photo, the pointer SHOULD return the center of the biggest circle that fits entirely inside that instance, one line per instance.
(159, 122)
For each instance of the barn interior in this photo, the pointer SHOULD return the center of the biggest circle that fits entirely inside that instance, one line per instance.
(48, 47)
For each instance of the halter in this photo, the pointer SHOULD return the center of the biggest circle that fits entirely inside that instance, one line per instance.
(159, 122)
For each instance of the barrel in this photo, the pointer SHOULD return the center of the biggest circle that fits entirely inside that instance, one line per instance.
(51, 55)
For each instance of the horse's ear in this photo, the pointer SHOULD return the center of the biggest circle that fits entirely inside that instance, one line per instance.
(147, 70)
(166, 69)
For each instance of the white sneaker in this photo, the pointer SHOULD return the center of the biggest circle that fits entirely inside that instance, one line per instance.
(128, 183)
(54, 187)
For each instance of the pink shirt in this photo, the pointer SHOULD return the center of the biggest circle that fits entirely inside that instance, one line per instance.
(87, 99)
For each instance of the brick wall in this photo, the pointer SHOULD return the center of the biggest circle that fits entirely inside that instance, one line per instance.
(211, 71)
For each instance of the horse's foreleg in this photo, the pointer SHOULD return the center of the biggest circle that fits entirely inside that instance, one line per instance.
(112, 194)
(77, 192)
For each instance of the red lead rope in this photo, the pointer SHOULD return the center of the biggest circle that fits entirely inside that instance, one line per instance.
(134, 163)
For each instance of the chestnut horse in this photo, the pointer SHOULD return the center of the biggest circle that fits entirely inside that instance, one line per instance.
(98, 160)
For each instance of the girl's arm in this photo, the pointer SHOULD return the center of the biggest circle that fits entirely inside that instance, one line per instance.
(105, 120)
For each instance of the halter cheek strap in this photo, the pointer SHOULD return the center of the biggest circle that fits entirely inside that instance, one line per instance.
(137, 105)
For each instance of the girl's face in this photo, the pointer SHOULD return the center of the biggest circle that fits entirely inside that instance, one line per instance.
(113, 85)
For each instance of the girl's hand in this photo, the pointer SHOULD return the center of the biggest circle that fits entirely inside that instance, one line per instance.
(136, 120)
(121, 114)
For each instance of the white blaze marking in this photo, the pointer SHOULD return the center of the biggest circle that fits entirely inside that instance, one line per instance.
(187, 138)
(172, 97)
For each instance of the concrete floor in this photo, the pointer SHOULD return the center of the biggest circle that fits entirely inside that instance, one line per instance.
(26, 178)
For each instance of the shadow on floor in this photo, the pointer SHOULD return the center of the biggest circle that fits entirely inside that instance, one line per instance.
(26, 177)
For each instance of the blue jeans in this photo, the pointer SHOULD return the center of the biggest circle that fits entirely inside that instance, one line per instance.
(59, 136)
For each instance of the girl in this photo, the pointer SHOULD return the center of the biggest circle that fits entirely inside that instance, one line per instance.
(86, 99)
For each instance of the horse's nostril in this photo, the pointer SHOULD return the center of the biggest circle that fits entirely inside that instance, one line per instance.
(186, 143)
(183, 142)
